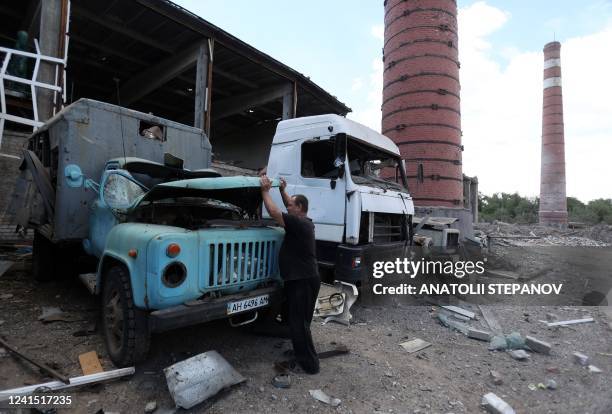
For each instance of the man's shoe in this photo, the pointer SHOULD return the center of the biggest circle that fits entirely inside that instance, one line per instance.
(283, 367)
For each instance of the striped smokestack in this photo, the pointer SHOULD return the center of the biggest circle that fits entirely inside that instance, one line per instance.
(421, 105)
(553, 203)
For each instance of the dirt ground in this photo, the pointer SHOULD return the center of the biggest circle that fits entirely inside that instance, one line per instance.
(378, 375)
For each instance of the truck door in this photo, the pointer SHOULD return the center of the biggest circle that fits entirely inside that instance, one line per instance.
(321, 180)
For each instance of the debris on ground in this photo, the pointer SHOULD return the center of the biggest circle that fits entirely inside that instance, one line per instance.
(73, 382)
(519, 354)
(526, 235)
(496, 377)
(593, 369)
(324, 398)
(581, 359)
(90, 363)
(551, 317)
(479, 334)
(415, 345)
(335, 301)
(490, 319)
(498, 343)
(449, 323)
(511, 341)
(200, 377)
(551, 384)
(150, 407)
(495, 405)
(463, 312)
(537, 345)
(516, 341)
(54, 314)
(282, 381)
(43, 367)
(571, 322)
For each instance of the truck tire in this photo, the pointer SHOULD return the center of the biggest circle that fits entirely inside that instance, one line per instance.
(124, 326)
(43, 268)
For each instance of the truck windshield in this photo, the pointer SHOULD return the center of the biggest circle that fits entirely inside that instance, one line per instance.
(372, 166)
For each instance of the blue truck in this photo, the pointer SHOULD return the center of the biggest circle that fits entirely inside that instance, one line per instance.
(165, 241)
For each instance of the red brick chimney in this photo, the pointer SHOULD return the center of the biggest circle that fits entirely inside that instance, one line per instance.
(421, 104)
(553, 202)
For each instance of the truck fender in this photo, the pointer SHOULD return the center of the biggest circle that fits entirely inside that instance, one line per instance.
(106, 261)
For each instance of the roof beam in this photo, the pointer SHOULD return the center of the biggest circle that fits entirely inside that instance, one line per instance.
(123, 74)
(199, 25)
(86, 14)
(140, 62)
(159, 74)
(237, 104)
(235, 78)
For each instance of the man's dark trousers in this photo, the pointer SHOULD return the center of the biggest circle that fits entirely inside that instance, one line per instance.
(301, 295)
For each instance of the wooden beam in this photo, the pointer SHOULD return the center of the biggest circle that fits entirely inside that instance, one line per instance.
(236, 78)
(123, 74)
(234, 105)
(290, 103)
(201, 88)
(83, 13)
(157, 75)
(197, 24)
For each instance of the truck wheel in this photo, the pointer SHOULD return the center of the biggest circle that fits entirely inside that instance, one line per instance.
(125, 328)
(43, 268)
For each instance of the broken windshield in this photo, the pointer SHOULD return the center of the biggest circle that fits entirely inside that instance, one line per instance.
(371, 166)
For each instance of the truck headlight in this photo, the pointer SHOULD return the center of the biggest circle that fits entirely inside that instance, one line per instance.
(174, 274)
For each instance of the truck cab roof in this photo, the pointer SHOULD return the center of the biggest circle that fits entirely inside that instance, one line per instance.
(330, 124)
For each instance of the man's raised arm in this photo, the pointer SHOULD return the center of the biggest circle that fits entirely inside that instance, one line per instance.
(286, 197)
(272, 208)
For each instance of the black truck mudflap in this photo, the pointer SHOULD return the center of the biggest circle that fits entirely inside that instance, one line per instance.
(209, 309)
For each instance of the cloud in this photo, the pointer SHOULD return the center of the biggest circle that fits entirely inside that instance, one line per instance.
(357, 84)
(378, 31)
(502, 109)
(368, 110)
(370, 113)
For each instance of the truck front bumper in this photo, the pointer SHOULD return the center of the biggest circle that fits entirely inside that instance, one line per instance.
(206, 310)
(353, 262)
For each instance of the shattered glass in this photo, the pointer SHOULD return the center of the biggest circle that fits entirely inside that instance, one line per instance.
(120, 192)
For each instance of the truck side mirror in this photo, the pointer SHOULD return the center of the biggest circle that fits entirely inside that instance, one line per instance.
(76, 179)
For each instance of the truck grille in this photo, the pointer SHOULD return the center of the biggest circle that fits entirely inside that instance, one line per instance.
(231, 264)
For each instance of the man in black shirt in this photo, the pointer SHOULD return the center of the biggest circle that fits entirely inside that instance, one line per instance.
(298, 268)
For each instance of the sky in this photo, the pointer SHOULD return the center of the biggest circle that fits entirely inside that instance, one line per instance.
(338, 44)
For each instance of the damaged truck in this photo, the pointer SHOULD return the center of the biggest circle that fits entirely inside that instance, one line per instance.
(167, 241)
(355, 181)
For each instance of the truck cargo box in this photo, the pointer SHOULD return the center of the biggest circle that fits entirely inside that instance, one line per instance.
(88, 133)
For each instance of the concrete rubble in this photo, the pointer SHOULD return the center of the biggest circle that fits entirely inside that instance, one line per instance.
(495, 405)
(508, 234)
(581, 359)
(537, 345)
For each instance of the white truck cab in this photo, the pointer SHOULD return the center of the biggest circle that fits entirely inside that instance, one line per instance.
(355, 183)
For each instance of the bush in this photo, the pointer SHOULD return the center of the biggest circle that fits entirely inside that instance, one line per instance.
(516, 209)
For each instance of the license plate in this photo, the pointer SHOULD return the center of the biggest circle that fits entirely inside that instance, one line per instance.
(248, 304)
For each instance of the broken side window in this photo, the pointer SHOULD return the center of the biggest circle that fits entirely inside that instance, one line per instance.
(318, 159)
